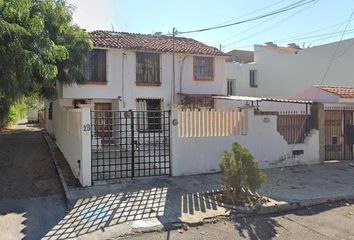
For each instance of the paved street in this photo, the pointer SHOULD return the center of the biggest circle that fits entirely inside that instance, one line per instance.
(31, 197)
(107, 211)
(329, 221)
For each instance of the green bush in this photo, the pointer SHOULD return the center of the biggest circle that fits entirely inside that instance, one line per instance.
(17, 111)
(240, 173)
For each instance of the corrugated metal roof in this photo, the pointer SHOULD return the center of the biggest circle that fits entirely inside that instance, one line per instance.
(261, 99)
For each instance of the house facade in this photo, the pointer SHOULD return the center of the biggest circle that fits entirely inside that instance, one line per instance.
(285, 71)
(124, 69)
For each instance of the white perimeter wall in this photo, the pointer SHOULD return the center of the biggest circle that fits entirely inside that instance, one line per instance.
(286, 74)
(197, 155)
(122, 82)
(73, 139)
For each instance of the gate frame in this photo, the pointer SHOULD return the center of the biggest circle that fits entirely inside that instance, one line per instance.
(130, 120)
(343, 110)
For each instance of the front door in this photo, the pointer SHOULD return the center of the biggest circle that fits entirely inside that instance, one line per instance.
(103, 120)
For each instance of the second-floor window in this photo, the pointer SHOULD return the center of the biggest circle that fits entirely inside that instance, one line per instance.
(231, 87)
(203, 68)
(253, 78)
(95, 66)
(148, 69)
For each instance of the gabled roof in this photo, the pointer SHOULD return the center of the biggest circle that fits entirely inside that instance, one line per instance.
(147, 42)
(342, 92)
(241, 56)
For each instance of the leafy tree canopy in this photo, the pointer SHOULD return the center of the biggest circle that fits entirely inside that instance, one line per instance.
(39, 45)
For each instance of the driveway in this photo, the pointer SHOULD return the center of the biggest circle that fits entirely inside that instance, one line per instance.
(31, 197)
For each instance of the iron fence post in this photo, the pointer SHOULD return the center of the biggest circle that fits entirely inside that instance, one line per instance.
(132, 140)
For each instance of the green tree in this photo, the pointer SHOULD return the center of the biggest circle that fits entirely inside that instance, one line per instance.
(240, 173)
(39, 46)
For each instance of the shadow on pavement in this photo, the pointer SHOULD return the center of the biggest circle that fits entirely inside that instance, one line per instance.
(256, 227)
(156, 202)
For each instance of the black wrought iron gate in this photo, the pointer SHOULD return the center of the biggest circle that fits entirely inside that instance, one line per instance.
(339, 133)
(127, 144)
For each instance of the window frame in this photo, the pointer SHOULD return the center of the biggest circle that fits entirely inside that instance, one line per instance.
(146, 115)
(157, 70)
(253, 78)
(104, 71)
(203, 78)
(50, 111)
(230, 88)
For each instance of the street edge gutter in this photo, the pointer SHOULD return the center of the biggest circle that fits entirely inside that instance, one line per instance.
(234, 214)
(52, 148)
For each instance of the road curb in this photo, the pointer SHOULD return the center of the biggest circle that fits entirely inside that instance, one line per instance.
(53, 148)
(276, 209)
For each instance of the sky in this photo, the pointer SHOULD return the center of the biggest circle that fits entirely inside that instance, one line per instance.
(318, 23)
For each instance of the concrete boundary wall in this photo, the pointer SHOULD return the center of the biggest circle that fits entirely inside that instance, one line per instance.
(201, 154)
(72, 132)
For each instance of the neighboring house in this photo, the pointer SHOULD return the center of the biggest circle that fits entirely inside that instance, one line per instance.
(237, 57)
(240, 56)
(286, 71)
(338, 118)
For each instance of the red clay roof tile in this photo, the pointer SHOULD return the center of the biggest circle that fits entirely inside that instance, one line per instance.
(146, 42)
(342, 92)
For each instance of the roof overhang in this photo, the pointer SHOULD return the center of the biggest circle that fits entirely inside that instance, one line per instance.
(260, 99)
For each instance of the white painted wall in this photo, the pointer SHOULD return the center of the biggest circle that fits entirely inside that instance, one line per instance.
(202, 154)
(73, 141)
(240, 72)
(286, 74)
(121, 82)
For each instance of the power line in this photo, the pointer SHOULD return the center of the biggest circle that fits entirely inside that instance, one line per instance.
(315, 37)
(337, 47)
(250, 13)
(272, 26)
(245, 15)
(282, 10)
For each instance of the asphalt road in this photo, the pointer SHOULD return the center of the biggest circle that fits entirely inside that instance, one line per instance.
(31, 197)
(329, 221)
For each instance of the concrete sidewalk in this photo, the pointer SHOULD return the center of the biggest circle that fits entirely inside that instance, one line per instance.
(329, 180)
(114, 210)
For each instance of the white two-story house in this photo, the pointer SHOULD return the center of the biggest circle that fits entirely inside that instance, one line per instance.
(125, 68)
(283, 71)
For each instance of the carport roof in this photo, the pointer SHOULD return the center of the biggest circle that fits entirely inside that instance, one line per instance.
(260, 99)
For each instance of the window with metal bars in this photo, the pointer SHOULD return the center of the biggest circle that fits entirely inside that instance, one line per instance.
(95, 66)
(149, 117)
(203, 68)
(148, 69)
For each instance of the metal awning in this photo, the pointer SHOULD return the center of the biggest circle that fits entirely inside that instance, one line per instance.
(260, 99)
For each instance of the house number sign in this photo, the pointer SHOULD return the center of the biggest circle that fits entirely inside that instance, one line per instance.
(87, 127)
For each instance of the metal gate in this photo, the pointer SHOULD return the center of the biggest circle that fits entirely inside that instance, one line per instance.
(339, 133)
(127, 144)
